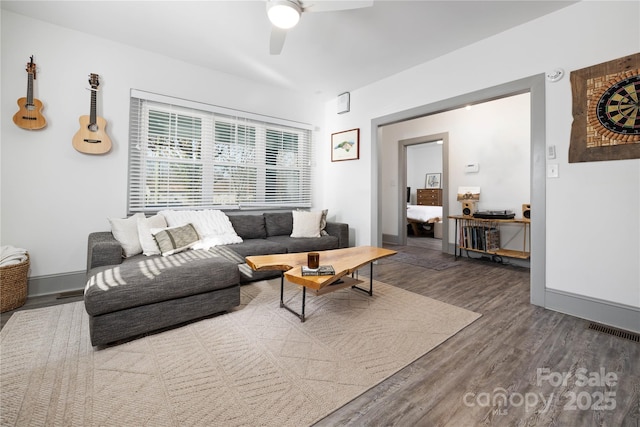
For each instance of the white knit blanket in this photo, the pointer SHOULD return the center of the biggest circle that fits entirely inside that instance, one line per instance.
(213, 226)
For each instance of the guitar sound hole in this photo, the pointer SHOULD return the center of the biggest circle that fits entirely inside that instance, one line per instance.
(93, 128)
(30, 107)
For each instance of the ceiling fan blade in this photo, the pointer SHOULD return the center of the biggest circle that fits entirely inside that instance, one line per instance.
(278, 35)
(329, 6)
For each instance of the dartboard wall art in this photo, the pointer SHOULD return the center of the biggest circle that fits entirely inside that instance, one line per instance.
(606, 111)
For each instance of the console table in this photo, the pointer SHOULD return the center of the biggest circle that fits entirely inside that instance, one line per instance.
(483, 236)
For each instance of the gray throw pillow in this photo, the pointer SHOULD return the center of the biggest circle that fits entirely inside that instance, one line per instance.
(249, 226)
(278, 223)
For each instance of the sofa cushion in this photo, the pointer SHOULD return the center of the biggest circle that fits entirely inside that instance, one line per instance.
(278, 223)
(306, 244)
(249, 226)
(145, 280)
(251, 247)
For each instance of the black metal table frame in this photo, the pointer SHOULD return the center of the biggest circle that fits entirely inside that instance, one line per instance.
(301, 315)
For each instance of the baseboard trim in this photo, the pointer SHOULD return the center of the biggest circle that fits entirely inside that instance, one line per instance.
(596, 310)
(390, 239)
(54, 284)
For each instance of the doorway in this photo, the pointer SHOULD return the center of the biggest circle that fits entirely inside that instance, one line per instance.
(419, 157)
(535, 85)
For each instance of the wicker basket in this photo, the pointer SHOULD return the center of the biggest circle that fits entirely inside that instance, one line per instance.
(13, 285)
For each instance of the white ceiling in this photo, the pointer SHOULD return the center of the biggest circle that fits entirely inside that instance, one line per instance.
(327, 53)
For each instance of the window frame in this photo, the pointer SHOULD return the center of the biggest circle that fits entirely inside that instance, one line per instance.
(292, 182)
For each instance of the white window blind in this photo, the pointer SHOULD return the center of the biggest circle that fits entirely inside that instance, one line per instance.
(188, 155)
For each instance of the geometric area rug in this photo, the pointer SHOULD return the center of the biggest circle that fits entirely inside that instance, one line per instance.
(255, 365)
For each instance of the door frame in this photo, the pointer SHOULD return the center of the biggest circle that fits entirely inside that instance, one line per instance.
(402, 179)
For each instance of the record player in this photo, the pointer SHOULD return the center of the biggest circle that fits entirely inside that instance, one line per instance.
(503, 214)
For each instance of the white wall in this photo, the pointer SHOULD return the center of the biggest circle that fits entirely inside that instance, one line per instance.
(52, 195)
(593, 245)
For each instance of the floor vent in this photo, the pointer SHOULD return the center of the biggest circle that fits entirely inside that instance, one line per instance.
(613, 331)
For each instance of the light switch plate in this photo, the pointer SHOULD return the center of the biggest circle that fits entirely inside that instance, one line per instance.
(471, 168)
(552, 171)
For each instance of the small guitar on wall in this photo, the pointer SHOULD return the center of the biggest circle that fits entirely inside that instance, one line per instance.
(29, 116)
(92, 137)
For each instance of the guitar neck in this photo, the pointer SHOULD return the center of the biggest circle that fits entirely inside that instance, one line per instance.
(30, 89)
(92, 111)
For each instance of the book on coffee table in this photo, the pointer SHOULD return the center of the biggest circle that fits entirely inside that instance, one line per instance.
(323, 270)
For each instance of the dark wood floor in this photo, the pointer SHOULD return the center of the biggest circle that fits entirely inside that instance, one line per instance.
(515, 350)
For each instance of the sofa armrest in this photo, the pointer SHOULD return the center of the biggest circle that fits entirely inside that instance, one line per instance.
(103, 249)
(339, 230)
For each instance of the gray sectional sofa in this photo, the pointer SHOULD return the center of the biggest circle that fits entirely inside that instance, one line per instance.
(127, 297)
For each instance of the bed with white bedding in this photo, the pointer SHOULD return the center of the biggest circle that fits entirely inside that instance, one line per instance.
(421, 213)
(421, 218)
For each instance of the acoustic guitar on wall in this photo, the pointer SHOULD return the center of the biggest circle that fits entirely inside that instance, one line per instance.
(92, 137)
(29, 116)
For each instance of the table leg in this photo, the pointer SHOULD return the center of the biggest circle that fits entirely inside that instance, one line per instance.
(304, 297)
(282, 289)
(283, 305)
(370, 291)
(455, 242)
(301, 315)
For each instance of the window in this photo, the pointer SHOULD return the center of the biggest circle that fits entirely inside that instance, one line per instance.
(187, 155)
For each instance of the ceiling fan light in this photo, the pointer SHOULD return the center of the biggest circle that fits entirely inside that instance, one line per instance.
(284, 14)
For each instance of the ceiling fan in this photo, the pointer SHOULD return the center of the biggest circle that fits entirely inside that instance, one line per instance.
(285, 14)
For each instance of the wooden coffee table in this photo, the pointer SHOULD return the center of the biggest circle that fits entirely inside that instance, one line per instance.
(345, 262)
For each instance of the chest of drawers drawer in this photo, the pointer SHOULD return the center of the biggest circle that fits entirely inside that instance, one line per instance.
(430, 197)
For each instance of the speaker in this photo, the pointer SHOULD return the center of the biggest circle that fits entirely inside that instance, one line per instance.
(526, 211)
(468, 208)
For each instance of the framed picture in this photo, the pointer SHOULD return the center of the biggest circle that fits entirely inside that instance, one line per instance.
(432, 181)
(605, 111)
(345, 145)
(468, 194)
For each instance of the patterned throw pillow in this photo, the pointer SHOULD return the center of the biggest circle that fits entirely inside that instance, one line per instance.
(176, 239)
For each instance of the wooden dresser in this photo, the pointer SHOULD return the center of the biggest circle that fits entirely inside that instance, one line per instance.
(430, 196)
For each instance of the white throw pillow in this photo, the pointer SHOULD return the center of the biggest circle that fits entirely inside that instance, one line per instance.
(148, 243)
(126, 232)
(306, 224)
